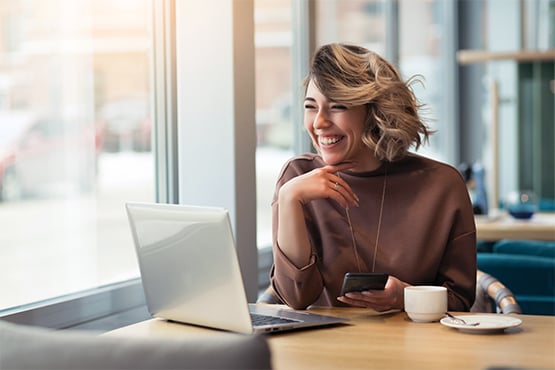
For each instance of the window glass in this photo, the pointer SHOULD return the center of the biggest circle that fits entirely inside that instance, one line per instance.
(273, 39)
(359, 22)
(420, 47)
(75, 143)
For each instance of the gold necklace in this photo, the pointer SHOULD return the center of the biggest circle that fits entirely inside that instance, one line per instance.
(355, 249)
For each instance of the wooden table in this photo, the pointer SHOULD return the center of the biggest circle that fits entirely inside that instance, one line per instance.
(391, 342)
(540, 227)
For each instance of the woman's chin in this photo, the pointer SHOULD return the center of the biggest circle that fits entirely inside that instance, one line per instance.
(333, 160)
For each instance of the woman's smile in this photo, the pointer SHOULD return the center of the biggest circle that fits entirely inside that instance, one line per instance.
(325, 141)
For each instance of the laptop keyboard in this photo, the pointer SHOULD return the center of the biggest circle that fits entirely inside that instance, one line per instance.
(259, 320)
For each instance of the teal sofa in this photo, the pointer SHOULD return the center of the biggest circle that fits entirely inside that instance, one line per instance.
(526, 267)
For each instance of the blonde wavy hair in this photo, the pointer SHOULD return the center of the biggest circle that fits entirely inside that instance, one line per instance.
(352, 75)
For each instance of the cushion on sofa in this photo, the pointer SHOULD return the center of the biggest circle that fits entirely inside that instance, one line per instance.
(530, 278)
(484, 246)
(536, 304)
(522, 274)
(25, 347)
(538, 248)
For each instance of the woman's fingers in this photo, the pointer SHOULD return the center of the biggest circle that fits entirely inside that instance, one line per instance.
(322, 183)
(343, 188)
(364, 303)
(379, 300)
(359, 300)
(345, 195)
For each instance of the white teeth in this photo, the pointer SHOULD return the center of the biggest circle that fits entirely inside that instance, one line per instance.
(329, 140)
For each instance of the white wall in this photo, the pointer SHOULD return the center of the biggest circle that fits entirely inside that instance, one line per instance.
(216, 116)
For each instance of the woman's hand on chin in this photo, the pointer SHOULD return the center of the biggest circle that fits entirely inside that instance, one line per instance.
(320, 183)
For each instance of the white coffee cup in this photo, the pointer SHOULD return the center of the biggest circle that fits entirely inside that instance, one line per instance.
(425, 303)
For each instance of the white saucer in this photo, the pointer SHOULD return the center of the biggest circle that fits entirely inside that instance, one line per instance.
(491, 323)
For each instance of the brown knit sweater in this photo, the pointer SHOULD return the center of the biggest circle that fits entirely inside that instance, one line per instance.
(427, 235)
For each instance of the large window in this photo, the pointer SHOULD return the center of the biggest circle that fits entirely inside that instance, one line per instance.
(75, 143)
(274, 125)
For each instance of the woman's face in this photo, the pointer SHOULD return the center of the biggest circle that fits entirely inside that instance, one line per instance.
(336, 130)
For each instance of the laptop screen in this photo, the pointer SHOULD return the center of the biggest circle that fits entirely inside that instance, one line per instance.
(189, 266)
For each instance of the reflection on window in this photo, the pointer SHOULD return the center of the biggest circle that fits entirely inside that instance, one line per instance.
(360, 22)
(420, 54)
(273, 41)
(75, 143)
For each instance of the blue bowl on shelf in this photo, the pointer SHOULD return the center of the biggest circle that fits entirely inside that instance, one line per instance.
(522, 214)
(522, 204)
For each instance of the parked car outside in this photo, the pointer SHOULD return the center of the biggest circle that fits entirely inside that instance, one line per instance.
(45, 156)
(126, 125)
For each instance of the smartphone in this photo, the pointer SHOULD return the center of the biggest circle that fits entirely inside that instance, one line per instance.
(361, 281)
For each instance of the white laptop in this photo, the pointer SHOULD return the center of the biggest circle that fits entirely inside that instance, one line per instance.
(190, 271)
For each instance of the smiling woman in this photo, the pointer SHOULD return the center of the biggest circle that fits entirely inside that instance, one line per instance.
(364, 203)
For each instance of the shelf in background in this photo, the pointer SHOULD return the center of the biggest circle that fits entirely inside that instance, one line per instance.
(481, 56)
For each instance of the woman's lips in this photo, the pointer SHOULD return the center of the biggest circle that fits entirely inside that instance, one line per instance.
(329, 140)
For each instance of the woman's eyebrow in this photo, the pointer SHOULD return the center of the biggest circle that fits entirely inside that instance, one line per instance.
(308, 98)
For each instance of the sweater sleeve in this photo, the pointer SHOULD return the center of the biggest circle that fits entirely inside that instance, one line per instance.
(296, 287)
(458, 272)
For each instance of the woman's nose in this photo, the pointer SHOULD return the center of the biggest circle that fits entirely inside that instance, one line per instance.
(321, 120)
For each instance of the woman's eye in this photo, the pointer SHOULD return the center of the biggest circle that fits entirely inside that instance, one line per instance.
(339, 107)
(309, 106)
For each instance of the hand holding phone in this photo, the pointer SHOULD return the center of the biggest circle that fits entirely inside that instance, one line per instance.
(361, 281)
